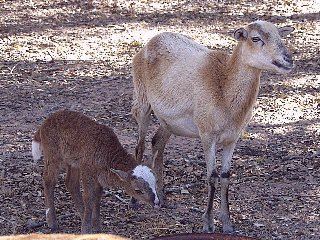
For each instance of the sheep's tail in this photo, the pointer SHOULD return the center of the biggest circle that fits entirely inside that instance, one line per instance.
(36, 147)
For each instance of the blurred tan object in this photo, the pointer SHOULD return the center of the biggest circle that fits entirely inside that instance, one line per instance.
(35, 236)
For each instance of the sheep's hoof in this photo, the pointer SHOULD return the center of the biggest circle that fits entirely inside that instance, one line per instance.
(97, 229)
(162, 200)
(208, 226)
(134, 204)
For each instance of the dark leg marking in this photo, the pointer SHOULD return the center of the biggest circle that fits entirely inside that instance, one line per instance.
(212, 179)
(225, 174)
(211, 196)
(212, 189)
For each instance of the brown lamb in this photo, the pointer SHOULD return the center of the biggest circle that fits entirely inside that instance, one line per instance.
(91, 152)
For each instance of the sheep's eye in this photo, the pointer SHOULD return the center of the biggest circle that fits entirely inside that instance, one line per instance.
(139, 191)
(255, 39)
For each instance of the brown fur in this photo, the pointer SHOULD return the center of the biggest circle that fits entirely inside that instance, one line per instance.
(89, 151)
(81, 142)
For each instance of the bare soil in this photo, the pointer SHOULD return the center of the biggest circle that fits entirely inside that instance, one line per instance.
(76, 55)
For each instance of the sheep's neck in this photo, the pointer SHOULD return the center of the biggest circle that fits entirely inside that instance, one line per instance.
(242, 86)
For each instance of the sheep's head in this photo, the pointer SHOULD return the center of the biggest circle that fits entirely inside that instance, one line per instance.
(140, 184)
(263, 47)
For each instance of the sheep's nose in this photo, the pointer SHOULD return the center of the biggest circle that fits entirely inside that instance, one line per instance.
(288, 58)
(156, 203)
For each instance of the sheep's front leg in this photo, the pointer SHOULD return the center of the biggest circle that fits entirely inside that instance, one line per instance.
(142, 115)
(141, 111)
(159, 142)
(225, 181)
(209, 147)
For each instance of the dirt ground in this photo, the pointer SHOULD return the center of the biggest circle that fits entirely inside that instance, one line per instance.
(76, 55)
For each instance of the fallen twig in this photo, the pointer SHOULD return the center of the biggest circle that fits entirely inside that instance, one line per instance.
(11, 70)
(120, 198)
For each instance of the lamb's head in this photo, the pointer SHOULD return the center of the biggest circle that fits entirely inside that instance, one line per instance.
(263, 48)
(140, 183)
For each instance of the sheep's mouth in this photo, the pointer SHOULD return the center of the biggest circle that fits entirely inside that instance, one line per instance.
(280, 65)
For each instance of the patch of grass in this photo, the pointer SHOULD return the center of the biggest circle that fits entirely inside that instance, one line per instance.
(136, 43)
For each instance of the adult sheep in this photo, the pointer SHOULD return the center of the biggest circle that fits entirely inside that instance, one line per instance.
(201, 93)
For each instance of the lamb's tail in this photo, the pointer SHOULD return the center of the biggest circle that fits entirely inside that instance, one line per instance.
(36, 147)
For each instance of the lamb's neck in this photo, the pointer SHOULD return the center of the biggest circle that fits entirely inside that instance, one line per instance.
(122, 160)
(125, 162)
(242, 86)
(119, 159)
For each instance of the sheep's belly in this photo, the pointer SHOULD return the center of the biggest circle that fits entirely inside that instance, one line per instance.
(181, 126)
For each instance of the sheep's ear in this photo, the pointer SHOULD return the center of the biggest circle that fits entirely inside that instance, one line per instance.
(284, 31)
(121, 174)
(240, 34)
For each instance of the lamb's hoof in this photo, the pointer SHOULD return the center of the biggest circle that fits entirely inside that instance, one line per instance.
(228, 229)
(208, 229)
(52, 225)
(53, 228)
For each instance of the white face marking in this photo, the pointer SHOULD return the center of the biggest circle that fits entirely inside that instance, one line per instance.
(146, 174)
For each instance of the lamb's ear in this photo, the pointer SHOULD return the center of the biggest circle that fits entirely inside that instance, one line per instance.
(121, 174)
(284, 31)
(240, 34)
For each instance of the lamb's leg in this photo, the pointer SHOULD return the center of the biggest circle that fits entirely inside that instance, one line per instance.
(225, 181)
(209, 147)
(88, 201)
(96, 223)
(50, 175)
(72, 181)
(159, 142)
